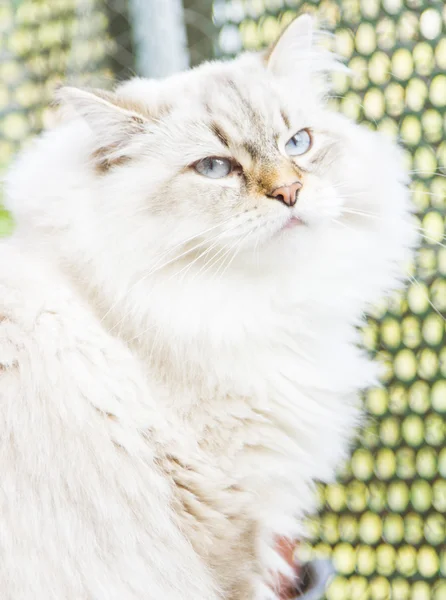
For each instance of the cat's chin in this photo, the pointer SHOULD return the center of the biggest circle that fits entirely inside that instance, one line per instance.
(293, 222)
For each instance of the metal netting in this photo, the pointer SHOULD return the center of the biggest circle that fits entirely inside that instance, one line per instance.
(383, 523)
(122, 59)
(201, 30)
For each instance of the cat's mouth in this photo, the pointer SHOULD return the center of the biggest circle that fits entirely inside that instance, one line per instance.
(293, 222)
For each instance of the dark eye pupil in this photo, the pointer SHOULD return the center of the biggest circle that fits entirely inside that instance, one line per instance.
(212, 164)
(216, 163)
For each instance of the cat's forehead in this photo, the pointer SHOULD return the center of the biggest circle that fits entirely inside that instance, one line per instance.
(252, 105)
(242, 94)
(237, 104)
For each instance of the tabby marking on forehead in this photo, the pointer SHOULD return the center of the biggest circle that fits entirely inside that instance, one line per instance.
(218, 131)
(285, 119)
(253, 150)
(251, 113)
(103, 161)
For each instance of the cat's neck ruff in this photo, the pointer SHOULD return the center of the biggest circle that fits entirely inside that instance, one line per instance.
(232, 333)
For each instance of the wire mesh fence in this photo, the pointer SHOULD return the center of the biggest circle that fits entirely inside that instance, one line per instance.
(383, 523)
(122, 58)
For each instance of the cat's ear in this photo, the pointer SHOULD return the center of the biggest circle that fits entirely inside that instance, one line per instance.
(299, 49)
(112, 122)
(295, 42)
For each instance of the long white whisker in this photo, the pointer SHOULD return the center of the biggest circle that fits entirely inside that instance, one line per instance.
(375, 216)
(176, 274)
(156, 266)
(432, 240)
(214, 260)
(363, 213)
(222, 260)
(341, 224)
(234, 255)
(425, 192)
(208, 263)
(426, 172)
(142, 279)
(193, 237)
(214, 242)
(187, 267)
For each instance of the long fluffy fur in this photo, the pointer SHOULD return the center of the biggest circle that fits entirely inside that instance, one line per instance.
(177, 367)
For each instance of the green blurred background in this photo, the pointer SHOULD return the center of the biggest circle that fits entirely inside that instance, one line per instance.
(383, 524)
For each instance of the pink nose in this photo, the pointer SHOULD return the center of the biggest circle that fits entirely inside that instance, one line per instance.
(287, 193)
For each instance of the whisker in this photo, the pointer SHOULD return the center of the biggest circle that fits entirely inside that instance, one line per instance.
(144, 278)
(209, 262)
(375, 216)
(176, 258)
(431, 239)
(363, 213)
(256, 253)
(341, 224)
(140, 334)
(430, 173)
(187, 267)
(222, 259)
(236, 251)
(164, 282)
(425, 192)
(190, 239)
(162, 255)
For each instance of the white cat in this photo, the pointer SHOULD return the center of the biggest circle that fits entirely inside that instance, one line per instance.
(179, 358)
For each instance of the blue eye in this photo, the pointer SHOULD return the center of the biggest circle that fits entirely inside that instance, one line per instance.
(212, 167)
(299, 143)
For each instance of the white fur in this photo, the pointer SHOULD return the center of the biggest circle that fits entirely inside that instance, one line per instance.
(117, 353)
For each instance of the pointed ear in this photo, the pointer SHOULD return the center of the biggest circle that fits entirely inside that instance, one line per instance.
(295, 42)
(299, 49)
(109, 120)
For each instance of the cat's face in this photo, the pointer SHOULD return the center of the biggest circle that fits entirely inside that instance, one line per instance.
(234, 159)
(240, 153)
(244, 158)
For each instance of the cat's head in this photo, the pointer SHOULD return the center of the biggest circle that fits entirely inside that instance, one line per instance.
(227, 163)
(240, 154)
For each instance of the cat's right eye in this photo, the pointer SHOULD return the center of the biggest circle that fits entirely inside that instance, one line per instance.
(214, 167)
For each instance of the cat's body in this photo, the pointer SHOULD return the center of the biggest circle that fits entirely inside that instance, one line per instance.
(163, 418)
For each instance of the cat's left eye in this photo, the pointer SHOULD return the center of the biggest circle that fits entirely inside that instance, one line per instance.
(300, 143)
(214, 167)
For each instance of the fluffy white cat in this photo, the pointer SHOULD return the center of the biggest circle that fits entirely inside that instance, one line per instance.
(179, 357)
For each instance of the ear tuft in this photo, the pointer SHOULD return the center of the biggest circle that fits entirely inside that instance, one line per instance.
(112, 124)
